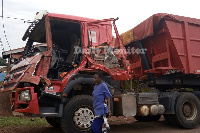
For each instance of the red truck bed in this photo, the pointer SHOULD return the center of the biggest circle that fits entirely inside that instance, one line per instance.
(172, 43)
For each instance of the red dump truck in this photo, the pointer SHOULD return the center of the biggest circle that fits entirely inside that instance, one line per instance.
(151, 70)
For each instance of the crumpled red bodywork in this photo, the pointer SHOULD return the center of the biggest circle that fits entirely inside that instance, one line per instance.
(22, 72)
(34, 69)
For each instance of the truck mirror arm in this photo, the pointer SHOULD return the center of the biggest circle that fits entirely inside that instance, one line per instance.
(124, 54)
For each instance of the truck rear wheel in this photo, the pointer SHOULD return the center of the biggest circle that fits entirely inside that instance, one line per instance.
(187, 111)
(78, 115)
(147, 118)
(53, 121)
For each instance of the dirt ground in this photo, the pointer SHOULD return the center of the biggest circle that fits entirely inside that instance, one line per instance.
(5, 104)
(118, 125)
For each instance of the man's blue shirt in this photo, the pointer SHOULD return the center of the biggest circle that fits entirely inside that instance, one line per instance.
(99, 94)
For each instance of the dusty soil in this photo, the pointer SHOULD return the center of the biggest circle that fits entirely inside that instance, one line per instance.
(118, 125)
(5, 104)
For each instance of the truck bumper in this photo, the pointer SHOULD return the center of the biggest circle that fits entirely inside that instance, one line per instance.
(30, 106)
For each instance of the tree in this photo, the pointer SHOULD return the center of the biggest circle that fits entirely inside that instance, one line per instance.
(2, 62)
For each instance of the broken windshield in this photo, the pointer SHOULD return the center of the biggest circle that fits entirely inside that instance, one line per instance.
(36, 34)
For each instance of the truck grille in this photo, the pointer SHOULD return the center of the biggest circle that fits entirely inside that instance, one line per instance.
(12, 79)
(9, 85)
(18, 69)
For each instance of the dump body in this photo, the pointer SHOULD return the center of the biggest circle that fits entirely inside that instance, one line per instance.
(171, 42)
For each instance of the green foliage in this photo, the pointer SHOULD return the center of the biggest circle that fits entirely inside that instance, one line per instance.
(189, 89)
(2, 62)
(135, 85)
(21, 121)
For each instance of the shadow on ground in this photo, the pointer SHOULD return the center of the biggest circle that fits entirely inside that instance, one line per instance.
(133, 127)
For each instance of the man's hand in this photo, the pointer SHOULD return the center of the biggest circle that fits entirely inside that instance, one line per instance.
(106, 101)
(109, 114)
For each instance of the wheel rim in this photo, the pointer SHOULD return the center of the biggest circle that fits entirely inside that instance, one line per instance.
(83, 118)
(189, 110)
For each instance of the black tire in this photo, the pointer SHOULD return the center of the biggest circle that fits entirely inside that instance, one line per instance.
(147, 118)
(79, 105)
(187, 111)
(53, 121)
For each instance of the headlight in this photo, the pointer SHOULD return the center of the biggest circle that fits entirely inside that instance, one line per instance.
(24, 96)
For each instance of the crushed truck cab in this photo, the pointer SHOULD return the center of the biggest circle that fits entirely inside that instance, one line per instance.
(46, 78)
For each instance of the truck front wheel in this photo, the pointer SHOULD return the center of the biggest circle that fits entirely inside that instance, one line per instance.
(78, 115)
(187, 111)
